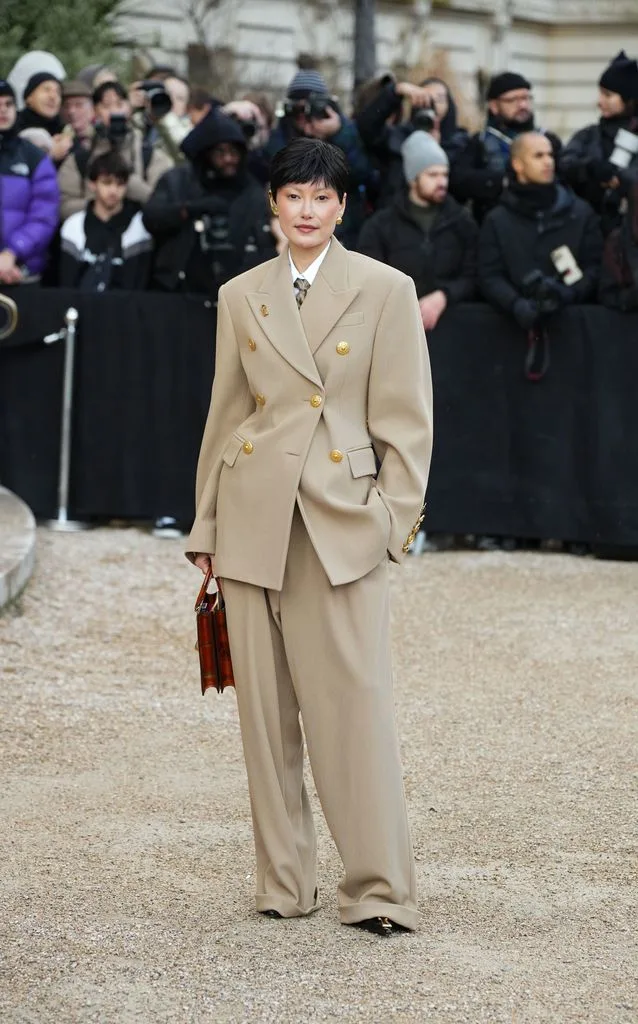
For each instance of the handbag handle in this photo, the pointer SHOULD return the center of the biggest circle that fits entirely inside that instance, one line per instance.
(204, 588)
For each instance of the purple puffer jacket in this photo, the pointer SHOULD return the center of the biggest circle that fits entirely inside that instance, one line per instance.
(29, 201)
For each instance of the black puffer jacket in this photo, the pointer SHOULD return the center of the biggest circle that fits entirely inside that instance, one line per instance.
(383, 141)
(514, 241)
(207, 228)
(445, 258)
(584, 165)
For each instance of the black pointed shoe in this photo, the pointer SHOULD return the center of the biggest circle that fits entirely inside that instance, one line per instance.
(382, 926)
(272, 913)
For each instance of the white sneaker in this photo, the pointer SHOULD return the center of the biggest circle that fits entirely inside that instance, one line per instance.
(168, 528)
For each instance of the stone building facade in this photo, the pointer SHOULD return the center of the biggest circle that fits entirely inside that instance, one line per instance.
(560, 45)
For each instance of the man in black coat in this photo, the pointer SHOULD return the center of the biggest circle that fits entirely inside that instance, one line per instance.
(425, 233)
(209, 217)
(479, 172)
(535, 217)
(589, 162)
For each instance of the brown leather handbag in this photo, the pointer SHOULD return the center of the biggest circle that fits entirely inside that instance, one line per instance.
(216, 667)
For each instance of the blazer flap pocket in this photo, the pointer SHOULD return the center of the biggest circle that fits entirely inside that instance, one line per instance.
(232, 450)
(350, 319)
(362, 461)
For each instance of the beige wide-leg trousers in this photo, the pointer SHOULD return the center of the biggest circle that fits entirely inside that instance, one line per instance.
(324, 652)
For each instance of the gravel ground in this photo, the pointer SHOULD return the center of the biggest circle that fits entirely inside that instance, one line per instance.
(126, 855)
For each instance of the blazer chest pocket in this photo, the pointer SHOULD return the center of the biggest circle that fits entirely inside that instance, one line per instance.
(351, 319)
(232, 450)
(362, 461)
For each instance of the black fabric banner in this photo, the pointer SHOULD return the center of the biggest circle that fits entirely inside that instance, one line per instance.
(556, 458)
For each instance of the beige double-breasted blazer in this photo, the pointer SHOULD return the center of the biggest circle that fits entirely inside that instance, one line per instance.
(329, 407)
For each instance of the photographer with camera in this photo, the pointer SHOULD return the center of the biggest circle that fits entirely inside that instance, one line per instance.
(378, 118)
(601, 161)
(209, 216)
(113, 132)
(479, 174)
(159, 106)
(540, 249)
(253, 122)
(309, 110)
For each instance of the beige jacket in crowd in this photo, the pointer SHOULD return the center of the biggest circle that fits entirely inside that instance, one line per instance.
(74, 190)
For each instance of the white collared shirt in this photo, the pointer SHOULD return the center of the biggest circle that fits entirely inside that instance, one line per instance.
(310, 272)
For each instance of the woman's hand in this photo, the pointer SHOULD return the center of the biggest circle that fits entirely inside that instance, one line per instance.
(204, 562)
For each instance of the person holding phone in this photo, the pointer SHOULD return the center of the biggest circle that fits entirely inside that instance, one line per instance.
(310, 480)
(601, 161)
(540, 249)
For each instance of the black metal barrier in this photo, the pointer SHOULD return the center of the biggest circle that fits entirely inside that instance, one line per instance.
(556, 458)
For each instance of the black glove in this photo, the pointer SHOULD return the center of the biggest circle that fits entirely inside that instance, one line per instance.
(526, 313)
(560, 294)
(601, 170)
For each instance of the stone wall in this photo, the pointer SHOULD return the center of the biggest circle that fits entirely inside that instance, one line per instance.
(561, 45)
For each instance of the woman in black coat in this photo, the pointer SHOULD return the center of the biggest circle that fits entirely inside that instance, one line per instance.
(586, 163)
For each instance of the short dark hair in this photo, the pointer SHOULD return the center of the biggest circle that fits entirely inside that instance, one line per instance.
(110, 165)
(310, 160)
(116, 87)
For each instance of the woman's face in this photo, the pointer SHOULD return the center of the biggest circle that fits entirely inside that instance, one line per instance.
(308, 214)
(46, 99)
(610, 104)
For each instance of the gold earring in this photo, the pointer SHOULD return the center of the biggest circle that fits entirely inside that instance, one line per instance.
(273, 207)
(339, 220)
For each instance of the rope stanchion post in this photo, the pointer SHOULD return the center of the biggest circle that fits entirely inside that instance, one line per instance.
(62, 523)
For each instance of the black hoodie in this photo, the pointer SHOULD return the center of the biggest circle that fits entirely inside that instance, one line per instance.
(208, 228)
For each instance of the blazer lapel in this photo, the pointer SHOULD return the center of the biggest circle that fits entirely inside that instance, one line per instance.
(275, 309)
(329, 296)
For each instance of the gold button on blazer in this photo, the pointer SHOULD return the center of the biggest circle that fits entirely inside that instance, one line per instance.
(374, 409)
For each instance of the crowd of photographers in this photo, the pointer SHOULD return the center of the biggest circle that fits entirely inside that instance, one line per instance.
(161, 185)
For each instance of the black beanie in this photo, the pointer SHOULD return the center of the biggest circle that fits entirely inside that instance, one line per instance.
(36, 80)
(621, 77)
(506, 82)
(7, 90)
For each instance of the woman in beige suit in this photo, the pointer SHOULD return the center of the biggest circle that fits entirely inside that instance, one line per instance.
(310, 479)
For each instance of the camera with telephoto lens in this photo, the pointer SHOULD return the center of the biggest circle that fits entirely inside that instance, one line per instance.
(159, 101)
(315, 107)
(117, 129)
(248, 126)
(424, 119)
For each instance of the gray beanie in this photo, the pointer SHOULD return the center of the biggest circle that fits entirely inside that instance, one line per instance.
(420, 151)
(307, 80)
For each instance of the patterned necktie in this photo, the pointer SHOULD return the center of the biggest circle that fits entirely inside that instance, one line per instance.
(301, 289)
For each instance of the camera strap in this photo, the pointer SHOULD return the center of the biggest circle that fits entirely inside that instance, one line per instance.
(537, 357)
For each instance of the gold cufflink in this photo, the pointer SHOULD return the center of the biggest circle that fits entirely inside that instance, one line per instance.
(264, 310)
